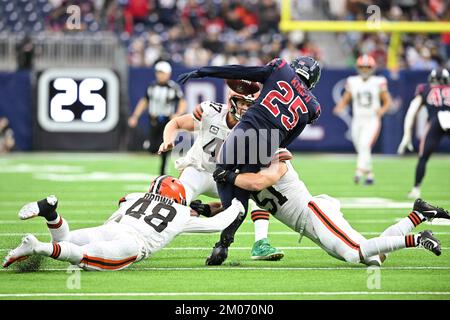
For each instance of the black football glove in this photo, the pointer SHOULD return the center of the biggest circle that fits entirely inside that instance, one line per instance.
(224, 176)
(184, 77)
(201, 208)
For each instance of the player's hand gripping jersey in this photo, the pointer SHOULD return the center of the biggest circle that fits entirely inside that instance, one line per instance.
(212, 129)
(366, 95)
(157, 220)
(284, 103)
(287, 200)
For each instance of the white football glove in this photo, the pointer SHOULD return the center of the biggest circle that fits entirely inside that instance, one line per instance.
(404, 145)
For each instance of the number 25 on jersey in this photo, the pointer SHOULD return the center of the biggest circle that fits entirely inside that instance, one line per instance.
(285, 96)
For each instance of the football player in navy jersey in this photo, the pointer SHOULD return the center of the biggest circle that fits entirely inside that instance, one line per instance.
(435, 96)
(284, 108)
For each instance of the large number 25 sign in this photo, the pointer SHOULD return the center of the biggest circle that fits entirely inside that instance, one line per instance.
(285, 96)
(78, 100)
(70, 95)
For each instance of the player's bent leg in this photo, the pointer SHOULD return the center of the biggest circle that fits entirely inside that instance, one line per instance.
(428, 144)
(63, 251)
(195, 182)
(46, 208)
(21, 252)
(332, 232)
(262, 250)
(100, 255)
(110, 255)
(383, 245)
(106, 232)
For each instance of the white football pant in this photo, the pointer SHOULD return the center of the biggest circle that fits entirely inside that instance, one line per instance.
(364, 135)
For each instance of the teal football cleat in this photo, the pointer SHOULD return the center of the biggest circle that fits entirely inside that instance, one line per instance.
(262, 250)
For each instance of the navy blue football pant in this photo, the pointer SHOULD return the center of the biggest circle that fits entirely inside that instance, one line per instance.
(430, 141)
(246, 149)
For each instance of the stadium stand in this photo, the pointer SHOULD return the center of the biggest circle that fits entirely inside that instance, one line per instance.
(199, 32)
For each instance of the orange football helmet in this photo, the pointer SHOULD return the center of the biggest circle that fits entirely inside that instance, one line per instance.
(366, 65)
(169, 187)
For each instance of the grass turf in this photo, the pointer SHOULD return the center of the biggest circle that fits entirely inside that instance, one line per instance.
(89, 185)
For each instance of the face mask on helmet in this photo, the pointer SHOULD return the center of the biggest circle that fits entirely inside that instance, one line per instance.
(238, 104)
(308, 69)
(169, 187)
(365, 65)
(439, 76)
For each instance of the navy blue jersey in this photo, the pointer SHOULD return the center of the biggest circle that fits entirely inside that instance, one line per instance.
(284, 102)
(435, 97)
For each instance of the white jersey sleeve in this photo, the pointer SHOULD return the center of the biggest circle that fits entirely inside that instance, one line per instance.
(211, 130)
(216, 223)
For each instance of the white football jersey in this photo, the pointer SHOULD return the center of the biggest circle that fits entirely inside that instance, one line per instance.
(212, 129)
(366, 94)
(287, 200)
(157, 220)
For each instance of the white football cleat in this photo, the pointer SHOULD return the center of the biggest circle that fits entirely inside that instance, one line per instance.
(25, 249)
(414, 193)
(31, 209)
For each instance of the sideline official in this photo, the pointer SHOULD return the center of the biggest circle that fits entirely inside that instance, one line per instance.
(163, 100)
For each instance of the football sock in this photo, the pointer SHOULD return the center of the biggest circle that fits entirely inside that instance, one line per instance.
(63, 251)
(59, 229)
(404, 226)
(260, 220)
(47, 208)
(382, 245)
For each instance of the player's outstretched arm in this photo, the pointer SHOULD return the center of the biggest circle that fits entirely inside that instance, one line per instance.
(216, 223)
(410, 117)
(184, 122)
(262, 179)
(258, 73)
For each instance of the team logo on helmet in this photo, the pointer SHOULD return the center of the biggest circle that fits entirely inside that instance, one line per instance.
(308, 69)
(169, 187)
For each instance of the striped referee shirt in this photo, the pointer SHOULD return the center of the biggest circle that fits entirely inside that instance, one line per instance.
(163, 98)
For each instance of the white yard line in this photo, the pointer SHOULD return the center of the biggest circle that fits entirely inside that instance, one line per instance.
(174, 294)
(230, 268)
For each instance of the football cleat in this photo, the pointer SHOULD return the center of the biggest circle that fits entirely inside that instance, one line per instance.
(22, 252)
(369, 181)
(414, 193)
(356, 179)
(427, 241)
(429, 211)
(218, 255)
(41, 207)
(262, 250)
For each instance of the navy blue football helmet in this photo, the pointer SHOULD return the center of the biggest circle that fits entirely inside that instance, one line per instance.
(308, 69)
(439, 76)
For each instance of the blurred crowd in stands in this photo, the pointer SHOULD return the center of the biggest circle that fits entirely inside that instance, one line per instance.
(201, 32)
(418, 51)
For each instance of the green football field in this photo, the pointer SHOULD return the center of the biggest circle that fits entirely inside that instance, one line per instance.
(88, 187)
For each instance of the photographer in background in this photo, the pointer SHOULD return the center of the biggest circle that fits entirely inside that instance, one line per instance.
(164, 100)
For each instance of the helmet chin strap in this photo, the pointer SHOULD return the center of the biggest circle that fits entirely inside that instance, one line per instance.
(234, 109)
